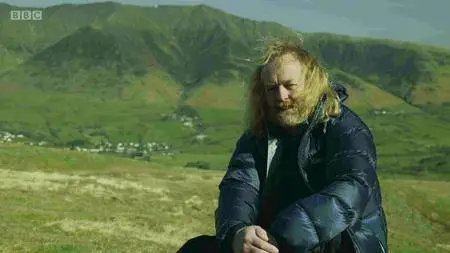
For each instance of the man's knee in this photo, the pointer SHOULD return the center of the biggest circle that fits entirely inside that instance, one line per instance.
(200, 244)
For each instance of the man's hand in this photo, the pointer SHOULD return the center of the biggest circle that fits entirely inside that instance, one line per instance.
(253, 239)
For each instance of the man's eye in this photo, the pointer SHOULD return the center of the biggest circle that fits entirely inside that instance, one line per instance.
(272, 88)
(289, 86)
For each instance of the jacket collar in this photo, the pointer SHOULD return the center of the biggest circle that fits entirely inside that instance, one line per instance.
(340, 90)
(273, 149)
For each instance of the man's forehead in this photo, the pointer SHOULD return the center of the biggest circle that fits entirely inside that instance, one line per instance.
(283, 60)
(288, 67)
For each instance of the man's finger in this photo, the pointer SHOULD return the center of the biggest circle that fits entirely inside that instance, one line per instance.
(272, 240)
(254, 249)
(261, 233)
(261, 244)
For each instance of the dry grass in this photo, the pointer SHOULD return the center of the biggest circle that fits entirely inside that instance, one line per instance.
(227, 96)
(157, 88)
(122, 228)
(131, 207)
(38, 180)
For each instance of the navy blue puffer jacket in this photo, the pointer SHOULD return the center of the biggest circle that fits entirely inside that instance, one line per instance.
(345, 198)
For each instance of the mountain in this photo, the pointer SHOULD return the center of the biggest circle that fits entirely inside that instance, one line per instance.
(180, 40)
(192, 44)
(115, 72)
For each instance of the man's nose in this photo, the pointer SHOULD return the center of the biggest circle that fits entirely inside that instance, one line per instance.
(282, 93)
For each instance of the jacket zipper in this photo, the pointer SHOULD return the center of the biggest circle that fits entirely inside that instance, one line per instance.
(352, 238)
(301, 162)
(305, 137)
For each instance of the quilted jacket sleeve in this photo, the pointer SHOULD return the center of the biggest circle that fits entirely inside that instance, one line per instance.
(351, 160)
(237, 204)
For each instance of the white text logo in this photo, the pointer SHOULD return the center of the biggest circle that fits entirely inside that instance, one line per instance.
(25, 15)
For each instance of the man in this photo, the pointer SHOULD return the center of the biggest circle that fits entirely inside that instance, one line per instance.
(303, 177)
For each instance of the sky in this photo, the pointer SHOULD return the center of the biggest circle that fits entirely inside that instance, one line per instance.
(410, 20)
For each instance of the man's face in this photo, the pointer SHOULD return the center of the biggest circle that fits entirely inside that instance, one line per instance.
(284, 83)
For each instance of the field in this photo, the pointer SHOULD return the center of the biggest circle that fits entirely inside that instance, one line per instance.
(64, 201)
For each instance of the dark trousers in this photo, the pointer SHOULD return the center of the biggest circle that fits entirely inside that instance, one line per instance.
(208, 244)
(201, 244)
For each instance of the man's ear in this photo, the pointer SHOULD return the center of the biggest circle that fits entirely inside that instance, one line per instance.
(258, 75)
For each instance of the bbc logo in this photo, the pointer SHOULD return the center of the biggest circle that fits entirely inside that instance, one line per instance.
(26, 15)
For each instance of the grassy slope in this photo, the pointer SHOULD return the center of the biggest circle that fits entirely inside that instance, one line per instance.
(66, 117)
(146, 207)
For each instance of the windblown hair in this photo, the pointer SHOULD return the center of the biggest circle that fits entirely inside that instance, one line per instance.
(316, 85)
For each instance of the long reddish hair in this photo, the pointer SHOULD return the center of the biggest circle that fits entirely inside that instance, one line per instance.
(316, 85)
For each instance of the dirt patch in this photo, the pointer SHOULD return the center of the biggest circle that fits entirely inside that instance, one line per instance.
(10, 87)
(96, 186)
(170, 235)
(445, 247)
(195, 201)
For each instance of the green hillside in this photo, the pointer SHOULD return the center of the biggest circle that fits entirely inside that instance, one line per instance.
(103, 72)
(190, 43)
